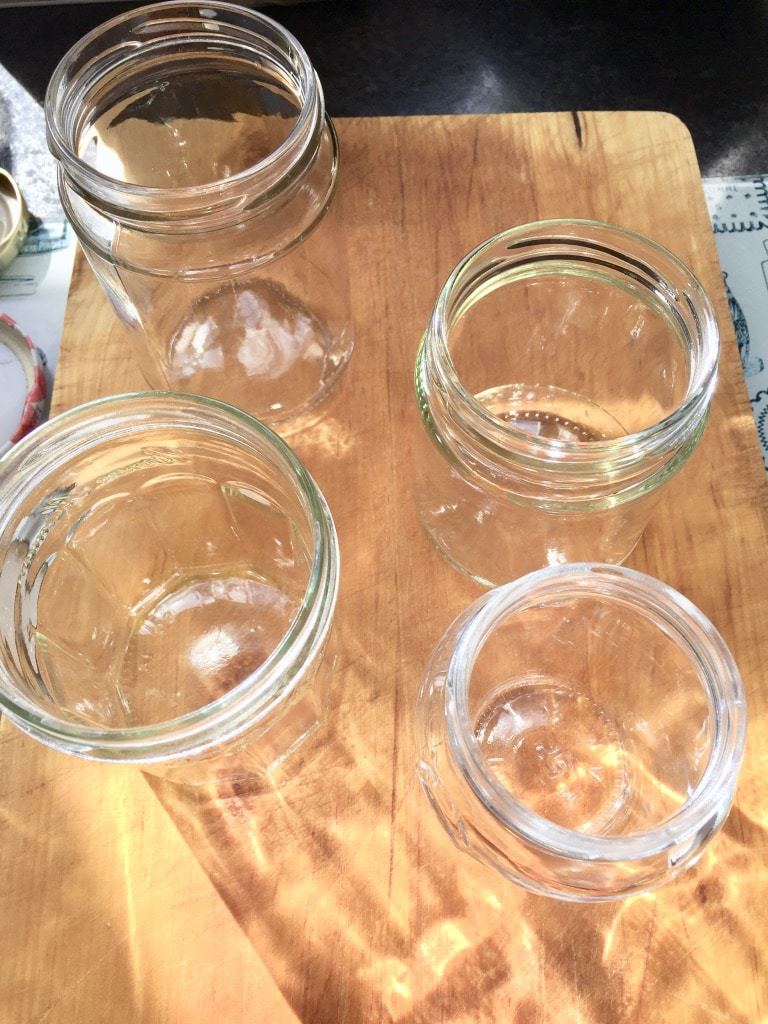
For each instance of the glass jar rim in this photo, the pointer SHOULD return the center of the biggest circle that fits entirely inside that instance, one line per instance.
(685, 623)
(622, 452)
(260, 691)
(307, 127)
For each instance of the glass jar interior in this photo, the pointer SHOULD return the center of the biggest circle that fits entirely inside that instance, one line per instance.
(593, 713)
(187, 115)
(162, 567)
(567, 351)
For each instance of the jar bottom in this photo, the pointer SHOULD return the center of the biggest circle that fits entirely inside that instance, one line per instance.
(495, 545)
(188, 644)
(495, 537)
(208, 634)
(551, 412)
(558, 752)
(254, 344)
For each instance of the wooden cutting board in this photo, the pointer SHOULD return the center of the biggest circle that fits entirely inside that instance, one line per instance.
(338, 898)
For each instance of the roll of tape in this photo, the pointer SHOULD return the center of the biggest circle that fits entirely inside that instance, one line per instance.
(33, 409)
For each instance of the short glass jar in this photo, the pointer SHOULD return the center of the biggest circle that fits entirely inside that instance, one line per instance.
(581, 730)
(199, 169)
(168, 578)
(566, 374)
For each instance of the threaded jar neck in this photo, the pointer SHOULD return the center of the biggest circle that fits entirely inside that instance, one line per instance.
(114, 63)
(582, 255)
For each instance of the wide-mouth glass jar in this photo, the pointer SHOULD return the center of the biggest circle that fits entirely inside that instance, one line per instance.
(565, 375)
(581, 730)
(199, 170)
(168, 580)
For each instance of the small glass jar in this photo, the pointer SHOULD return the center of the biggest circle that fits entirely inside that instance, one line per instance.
(199, 170)
(566, 374)
(581, 730)
(168, 580)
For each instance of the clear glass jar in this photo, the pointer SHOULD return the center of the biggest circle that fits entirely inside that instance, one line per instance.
(565, 375)
(168, 581)
(199, 170)
(581, 730)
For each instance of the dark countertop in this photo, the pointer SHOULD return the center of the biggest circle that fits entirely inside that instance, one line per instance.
(706, 62)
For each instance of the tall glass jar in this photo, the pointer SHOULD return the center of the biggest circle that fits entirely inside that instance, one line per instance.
(581, 730)
(199, 169)
(168, 580)
(565, 375)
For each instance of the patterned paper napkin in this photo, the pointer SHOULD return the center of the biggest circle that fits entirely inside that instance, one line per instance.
(739, 211)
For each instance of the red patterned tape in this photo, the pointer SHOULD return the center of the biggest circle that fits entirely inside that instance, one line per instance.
(29, 356)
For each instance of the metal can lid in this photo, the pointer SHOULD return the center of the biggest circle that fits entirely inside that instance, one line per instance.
(14, 220)
(24, 394)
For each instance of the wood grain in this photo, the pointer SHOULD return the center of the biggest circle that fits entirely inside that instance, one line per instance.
(335, 897)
